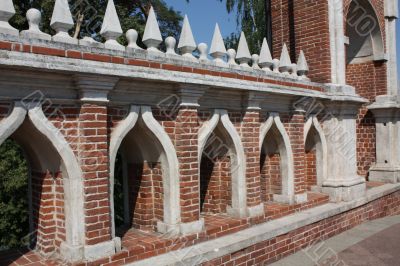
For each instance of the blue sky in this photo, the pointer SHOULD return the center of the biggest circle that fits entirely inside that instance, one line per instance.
(203, 18)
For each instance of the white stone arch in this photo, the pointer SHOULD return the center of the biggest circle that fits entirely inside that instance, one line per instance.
(73, 186)
(238, 159)
(11, 123)
(321, 148)
(286, 153)
(364, 32)
(117, 136)
(170, 165)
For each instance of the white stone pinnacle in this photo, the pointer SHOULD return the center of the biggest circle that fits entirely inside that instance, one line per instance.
(302, 65)
(152, 36)
(111, 28)
(203, 51)
(61, 22)
(284, 63)
(187, 43)
(218, 50)
(7, 11)
(132, 37)
(243, 52)
(232, 57)
(34, 18)
(266, 61)
(170, 43)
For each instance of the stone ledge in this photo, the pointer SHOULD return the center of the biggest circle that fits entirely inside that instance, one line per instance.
(72, 66)
(229, 244)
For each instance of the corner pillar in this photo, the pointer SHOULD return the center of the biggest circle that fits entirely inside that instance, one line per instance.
(342, 183)
(387, 116)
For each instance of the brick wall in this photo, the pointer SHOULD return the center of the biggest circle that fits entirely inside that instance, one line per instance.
(271, 179)
(311, 169)
(303, 25)
(145, 195)
(369, 79)
(215, 184)
(93, 155)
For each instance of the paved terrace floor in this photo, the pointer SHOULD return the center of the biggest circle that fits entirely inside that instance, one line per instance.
(374, 243)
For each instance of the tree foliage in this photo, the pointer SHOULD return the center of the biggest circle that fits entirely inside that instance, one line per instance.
(14, 210)
(251, 18)
(132, 15)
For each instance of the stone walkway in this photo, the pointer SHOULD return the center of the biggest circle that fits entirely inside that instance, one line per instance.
(374, 243)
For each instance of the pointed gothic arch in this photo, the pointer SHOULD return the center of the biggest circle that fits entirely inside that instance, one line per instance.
(273, 130)
(314, 138)
(227, 138)
(364, 32)
(32, 117)
(155, 144)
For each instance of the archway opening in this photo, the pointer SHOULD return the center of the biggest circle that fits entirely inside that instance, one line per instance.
(271, 164)
(15, 187)
(44, 190)
(138, 182)
(311, 154)
(364, 32)
(216, 172)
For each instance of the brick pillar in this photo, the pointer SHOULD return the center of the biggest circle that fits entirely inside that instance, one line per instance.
(186, 142)
(94, 162)
(93, 158)
(250, 134)
(296, 135)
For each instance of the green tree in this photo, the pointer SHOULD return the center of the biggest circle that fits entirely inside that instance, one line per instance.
(14, 209)
(88, 16)
(251, 17)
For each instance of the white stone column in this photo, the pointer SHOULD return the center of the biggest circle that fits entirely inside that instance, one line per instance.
(342, 183)
(386, 109)
(391, 15)
(387, 112)
(337, 42)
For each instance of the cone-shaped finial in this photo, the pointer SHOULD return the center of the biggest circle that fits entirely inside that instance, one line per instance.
(285, 63)
(34, 18)
(111, 28)
(302, 65)
(6, 12)
(152, 35)
(217, 50)
(61, 22)
(266, 61)
(243, 52)
(187, 43)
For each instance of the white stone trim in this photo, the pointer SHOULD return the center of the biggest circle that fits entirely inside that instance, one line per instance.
(287, 165)
(205, 132)
(238, 166)
(238, 160)
(117, 136)
(11, 123)
(172, 211)
(73, 185)
(322, 149)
